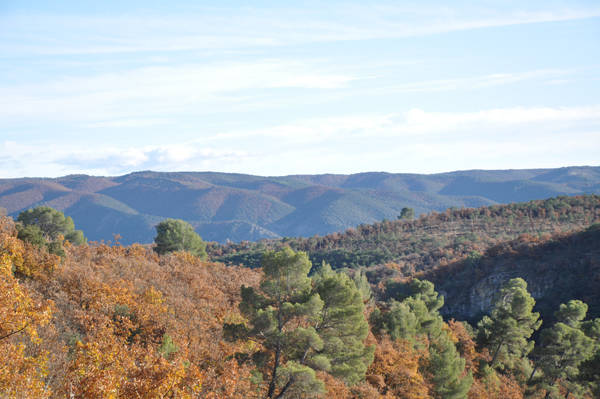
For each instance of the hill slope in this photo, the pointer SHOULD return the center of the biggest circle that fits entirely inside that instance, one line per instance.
(468, 254)
(224, 206)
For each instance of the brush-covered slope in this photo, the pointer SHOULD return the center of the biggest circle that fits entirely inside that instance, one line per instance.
(431, 240)
(227, 206)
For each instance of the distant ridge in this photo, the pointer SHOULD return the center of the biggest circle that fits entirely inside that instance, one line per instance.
(228, 206)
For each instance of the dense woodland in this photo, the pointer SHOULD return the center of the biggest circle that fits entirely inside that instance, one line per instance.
(362, 320)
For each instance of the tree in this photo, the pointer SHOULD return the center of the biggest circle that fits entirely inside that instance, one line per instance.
(407, 214)
(417, 315)
(304, 325)
(51, 223)
(565, 346)
(446, 366)
(175, 235)
(510, 324)
(21, 315)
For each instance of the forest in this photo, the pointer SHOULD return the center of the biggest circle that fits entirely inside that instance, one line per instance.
(373, 312)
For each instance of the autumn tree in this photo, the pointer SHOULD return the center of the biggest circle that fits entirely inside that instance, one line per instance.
(21, 315)
(174, 235)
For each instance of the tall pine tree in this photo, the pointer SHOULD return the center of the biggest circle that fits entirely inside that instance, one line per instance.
(305, 325)
(511, 322)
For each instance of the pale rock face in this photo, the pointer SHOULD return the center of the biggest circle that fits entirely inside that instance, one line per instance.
(478, 298)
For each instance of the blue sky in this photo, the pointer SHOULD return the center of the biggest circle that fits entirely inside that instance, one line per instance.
(276, 88)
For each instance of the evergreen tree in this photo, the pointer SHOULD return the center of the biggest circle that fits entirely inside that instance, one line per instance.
(342, 325)
(48, 223)
(407, 213)
(418, 315)
(424, 302)
(446, 366)
(563, 349)
(510, 324)
(565, 346)
(305, 328)
(589, 374)
(360, 279)
(174, 235)
(399, 321)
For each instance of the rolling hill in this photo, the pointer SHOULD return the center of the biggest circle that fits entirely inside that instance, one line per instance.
(225, 206)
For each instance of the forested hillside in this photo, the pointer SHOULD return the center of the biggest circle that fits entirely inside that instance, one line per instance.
(467, 253)
(240, 207)
(432, 239)
(112, 321)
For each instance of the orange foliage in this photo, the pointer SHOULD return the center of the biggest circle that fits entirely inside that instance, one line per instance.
(395, 370)
(21, 315)
(492, 386)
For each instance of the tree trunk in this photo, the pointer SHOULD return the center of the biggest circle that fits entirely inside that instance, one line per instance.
(496, 354)
(285, 388)
(532, 374)
(273, 383)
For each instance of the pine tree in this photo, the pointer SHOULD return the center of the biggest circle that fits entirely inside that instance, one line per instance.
(565, 346)
(418, 315)
(424, 302)
(510, 324)
(303, 327)
(342, 325)
(43, 223)
(446, 366)
(174, 235)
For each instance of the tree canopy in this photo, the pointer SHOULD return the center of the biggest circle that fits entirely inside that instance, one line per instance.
(305, 325)
(51, 224)
(176, 235)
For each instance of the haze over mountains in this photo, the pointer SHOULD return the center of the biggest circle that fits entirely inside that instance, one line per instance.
(223, 206)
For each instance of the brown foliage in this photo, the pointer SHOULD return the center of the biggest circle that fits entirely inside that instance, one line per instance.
(395, 370)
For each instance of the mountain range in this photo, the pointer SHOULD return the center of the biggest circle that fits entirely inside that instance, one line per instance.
(226, 206)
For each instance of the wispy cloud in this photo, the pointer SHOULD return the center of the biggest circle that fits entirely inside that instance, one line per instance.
(130, 97)
(479, 82)
(414, 141)
(216, 28)
(163, 95)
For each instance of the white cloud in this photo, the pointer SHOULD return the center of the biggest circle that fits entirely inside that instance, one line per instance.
(415, 141)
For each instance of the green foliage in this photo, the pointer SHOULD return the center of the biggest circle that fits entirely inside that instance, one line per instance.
(446, 365)
(563, 348)
(407, 214)
(175, 235)
(417, 315)
(342, 326)
(167, 348)
(362, 284)
(50, 224)
(399, 321)
(572, 313)
(32, 234)
(589, 374)
(424, 302)
(305, 324)
(510, 324)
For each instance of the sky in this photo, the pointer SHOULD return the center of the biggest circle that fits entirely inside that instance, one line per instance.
(297, 87)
